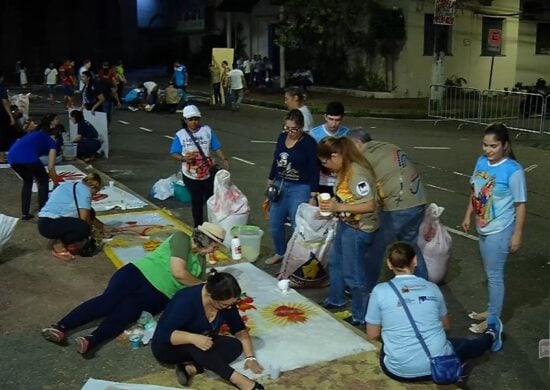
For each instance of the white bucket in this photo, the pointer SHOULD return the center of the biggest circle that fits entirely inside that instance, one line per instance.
(251, 239)
(69, 151)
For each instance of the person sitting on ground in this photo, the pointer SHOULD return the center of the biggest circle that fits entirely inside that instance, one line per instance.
(146, 284)
(134, 99)
(63, 222)
(402, 357)
(151, 93)
(187, 333)
(87, 137)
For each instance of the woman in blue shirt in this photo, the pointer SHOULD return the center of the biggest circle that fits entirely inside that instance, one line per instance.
(65, 223)
(497, 200)
(295, 172)
(187, 333)
(24, 159)
(87, 138)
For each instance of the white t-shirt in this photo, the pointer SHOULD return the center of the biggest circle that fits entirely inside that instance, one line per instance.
(308, 119)
(51, 76)
(149, 86)
(80, 82)
(235, 79)
(247, 66)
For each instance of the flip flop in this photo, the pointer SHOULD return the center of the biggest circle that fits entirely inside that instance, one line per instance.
(64, 255)
(477, 316)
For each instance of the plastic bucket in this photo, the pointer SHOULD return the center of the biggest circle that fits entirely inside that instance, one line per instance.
(69, 151)
(181, 192)
(251, 239)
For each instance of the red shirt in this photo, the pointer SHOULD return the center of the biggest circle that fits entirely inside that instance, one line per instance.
(66, 74)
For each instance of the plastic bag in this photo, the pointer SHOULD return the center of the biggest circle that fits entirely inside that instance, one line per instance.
(21, 100)
(435, 243)
(164, 188)
(228, 206)
(7, 225)
(305, 262)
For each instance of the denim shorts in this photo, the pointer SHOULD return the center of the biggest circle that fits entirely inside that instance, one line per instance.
(68, 90)
(51, 87)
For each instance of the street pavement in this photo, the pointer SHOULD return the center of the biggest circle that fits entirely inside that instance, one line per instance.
(139, 145)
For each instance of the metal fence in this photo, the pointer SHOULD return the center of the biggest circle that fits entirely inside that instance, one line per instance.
(518, 110)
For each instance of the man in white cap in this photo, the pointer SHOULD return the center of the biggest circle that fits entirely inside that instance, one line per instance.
(192, 146)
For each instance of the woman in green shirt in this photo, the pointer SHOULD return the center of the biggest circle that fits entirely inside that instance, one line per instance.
(146, 284)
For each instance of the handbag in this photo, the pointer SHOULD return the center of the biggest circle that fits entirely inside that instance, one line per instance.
(89, 248)
(446, 369)
(214, 168)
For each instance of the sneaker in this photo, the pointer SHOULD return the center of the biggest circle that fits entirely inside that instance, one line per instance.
(478, 328)
(496, 328)
(353, 322)
(82, 344)
(53, 334)
(274, 259)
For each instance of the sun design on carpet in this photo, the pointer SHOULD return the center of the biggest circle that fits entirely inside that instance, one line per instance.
(289, 313)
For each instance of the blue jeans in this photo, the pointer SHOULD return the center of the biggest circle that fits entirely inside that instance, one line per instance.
(398, 225)
(292, 195)
(347, 266)
(494, 251)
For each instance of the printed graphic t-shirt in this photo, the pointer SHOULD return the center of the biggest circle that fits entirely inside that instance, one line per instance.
(327, 177)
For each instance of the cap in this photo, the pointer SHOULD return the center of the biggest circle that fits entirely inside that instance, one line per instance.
(215, 232)
(191, 111)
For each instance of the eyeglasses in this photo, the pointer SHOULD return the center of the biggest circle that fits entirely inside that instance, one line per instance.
(291, 129)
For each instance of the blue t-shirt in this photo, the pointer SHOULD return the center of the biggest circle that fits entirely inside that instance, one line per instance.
(185, 312)
(30, 147)
(298, 164)
(404, 354)
(61, 201)
(321, 132)
(496, 189)
(179, 76)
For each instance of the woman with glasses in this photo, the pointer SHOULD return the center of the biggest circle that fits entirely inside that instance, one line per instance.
(192, 147)
(187, 333)
(146, 284)
(293, 179)
(61, 221)
(355, 204)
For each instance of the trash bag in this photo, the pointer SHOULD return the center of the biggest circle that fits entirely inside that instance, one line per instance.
(21, 100)
(305, 262)
(435, 243)
(228, 206)
(7, 225)
(164, 188)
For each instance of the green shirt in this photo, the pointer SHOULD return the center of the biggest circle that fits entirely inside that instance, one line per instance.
(399, 184)
(156, 265)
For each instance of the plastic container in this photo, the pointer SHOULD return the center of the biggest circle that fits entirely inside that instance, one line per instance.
(69, 151)
(181, 192)
(236, 253)
(251, 239)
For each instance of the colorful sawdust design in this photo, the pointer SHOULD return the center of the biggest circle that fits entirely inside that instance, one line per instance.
(288, 313)
(245, 303)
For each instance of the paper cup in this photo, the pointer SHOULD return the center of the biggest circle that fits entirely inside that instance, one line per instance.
(111, 183)
(325, 196)
(274, 371)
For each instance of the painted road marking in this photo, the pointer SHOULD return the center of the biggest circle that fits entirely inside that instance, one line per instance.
(168, 136)
(263, 142)
(440, 188)
(244, 161)
(460, 233)
(146, 129)
(461, 174)
(531, 167)
(123, 122)
(432, 147)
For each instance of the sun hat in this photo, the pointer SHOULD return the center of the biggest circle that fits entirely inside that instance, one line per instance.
(215, 232)
(191, 111)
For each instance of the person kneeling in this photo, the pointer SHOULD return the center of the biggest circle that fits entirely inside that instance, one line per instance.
(402, 356)
(187, 333)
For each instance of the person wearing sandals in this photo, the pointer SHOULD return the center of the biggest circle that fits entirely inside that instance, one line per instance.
(62, 222)
(24, 159)
(498, 202)
(146, 284)
(402, 356)
(295, 176)
(187, 333)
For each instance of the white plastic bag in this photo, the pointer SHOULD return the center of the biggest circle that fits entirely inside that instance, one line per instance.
(164, 188)
(228, 206)
(21, 100)
(7, 225)
(435, 243)
(305, 262)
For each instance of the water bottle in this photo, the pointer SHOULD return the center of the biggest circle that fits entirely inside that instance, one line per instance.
(236, 253)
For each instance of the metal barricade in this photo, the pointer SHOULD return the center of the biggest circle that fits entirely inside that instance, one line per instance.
(546, 116)
(454, 103)
(517, 110)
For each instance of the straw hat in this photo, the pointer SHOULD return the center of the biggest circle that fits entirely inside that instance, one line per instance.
(215, 232)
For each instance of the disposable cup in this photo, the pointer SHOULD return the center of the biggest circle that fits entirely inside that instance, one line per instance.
(274, 371)
(325, 196)
(111, 183)
(283, 285)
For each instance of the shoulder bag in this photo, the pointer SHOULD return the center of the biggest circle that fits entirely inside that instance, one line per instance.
(447, 369)
(213, 168)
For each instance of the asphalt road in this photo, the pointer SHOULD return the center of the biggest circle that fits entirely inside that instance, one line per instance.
(445, 157)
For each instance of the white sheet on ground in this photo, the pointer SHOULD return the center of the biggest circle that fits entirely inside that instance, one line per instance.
(113, 197)
(98, 384)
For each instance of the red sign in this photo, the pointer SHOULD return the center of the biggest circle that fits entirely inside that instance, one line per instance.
(494, 40)
(444, 12)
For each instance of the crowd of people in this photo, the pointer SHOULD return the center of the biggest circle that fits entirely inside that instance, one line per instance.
(372, 189)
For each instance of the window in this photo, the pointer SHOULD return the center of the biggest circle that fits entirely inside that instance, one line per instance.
(491, 29)
(436, 37)
(543, 38)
